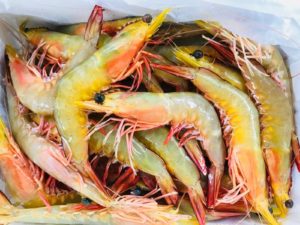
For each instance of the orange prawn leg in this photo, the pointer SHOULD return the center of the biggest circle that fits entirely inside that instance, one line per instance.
(107, 65)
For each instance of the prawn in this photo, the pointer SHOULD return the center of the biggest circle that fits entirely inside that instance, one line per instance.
(242, 133)
(103, 142)
(274, 65)
(276, 119)
(151, 110)
(109, 64)
(276, 124)
(47, 156)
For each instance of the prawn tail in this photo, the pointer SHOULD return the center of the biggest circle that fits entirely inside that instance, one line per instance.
(168, 189)
(263, 210)
(214, 181)
(296, 150)
(196, 198)
(94, 24)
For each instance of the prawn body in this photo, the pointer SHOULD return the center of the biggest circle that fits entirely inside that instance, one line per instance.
(156, 109)
(244, 140)
(105, 66)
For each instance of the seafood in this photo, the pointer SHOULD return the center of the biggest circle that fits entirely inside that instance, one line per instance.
(242, 133)
(276, 123)
(143, 159)
(276, 119)
(275, 66)
(155, 109)
(78, 214)
(109, 64)
(48, 156)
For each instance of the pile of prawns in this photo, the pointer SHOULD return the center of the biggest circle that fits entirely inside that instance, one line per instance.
(137, 120)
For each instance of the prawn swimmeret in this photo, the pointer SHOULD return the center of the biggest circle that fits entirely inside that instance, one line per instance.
(113, 62)
(154, 109)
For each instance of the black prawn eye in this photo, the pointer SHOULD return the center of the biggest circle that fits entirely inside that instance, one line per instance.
(137, 191)
(86, 201)
(147, 18)
(197, 54)
(289, 203)
(99, 98)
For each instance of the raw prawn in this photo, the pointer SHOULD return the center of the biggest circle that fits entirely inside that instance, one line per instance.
(151, 110)
(109, 64)
(242, 133)
(48, 156)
